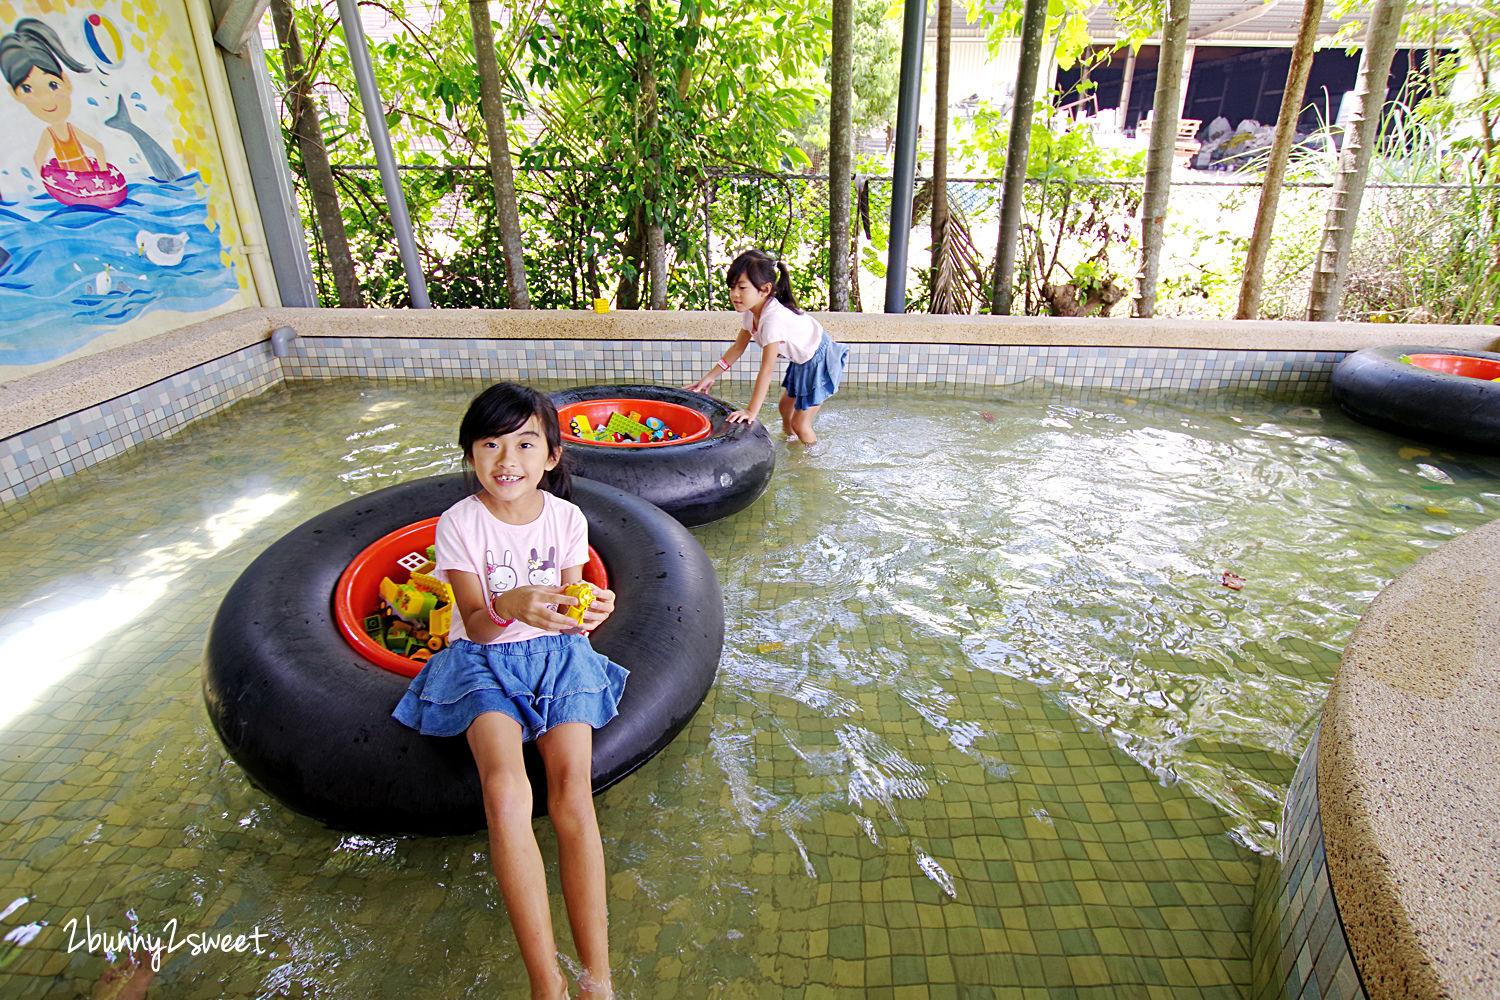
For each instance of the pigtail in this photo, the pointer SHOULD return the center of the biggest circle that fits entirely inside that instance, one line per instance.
(783, 290)
(762, 269)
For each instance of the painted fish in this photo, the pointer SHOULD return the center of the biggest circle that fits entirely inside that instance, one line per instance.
(163, 167)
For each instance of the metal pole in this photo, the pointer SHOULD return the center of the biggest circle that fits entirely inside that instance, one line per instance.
(708, 241)
(913, 33)
(369, 99)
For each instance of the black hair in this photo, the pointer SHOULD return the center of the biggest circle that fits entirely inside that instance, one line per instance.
(762, 269)
(503, 408)
(33, 45)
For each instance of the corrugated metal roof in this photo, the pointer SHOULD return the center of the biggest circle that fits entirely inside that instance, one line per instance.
(1222, 22)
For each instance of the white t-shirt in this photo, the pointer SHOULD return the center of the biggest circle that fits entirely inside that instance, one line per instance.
(506, 556)
(798, 333)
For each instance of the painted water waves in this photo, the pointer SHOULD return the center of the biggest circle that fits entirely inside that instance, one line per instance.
(99, 221)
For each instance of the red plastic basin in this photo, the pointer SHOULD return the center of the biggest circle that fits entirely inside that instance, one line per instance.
(1457, 364)
(357, 594)
(689, 424)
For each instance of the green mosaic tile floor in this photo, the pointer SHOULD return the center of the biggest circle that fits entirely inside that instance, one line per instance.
(987, 723)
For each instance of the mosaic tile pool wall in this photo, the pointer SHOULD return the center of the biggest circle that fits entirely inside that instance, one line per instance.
(86, 437)
(54, 450)
(883, 364)
(1300, 949)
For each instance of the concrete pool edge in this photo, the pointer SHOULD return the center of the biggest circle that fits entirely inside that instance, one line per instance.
(34, 400)
(1409, 778)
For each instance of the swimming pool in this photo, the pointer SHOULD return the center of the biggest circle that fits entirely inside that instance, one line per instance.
(987, 717)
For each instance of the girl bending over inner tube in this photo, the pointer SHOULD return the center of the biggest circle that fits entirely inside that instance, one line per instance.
(761, 289)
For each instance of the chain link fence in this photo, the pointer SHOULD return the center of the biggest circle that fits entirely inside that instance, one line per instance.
(1077, 239)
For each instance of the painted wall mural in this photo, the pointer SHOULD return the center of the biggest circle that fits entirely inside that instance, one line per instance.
(115, 223)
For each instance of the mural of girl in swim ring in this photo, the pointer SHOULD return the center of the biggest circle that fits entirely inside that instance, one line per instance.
(105, 215)
(32, 59)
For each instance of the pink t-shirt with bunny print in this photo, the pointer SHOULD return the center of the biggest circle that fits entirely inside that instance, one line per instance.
(506, 556)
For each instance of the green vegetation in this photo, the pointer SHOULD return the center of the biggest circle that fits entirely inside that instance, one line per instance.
(1078, 242)
(1427, 246)
(701, 128)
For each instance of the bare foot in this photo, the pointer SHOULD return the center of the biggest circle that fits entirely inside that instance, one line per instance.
(127, 979)
(556, 990)
(590, 989)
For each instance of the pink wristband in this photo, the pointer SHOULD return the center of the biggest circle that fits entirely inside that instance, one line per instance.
(502, 622)
(723, 364)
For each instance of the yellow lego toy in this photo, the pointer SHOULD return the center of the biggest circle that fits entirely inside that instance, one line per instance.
(441, 620)
(585, 594)
(419, 600)
(423, 581)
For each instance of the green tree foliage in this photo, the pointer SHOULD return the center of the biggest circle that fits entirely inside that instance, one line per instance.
(1077, 233)
(877, 71)
(1066, 33)
(728, 98)
(1463, 47)
(739, 89)
(429, 86)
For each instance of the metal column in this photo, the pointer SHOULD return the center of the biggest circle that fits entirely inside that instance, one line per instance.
(369, 99)
(913, 36)
(286, 241)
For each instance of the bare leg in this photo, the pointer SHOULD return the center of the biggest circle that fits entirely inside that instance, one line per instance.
(787, 408)
(495, 740)
(567, 750)
(802, 421)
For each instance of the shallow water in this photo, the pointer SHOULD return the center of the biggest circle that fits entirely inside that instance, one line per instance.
(987, 718)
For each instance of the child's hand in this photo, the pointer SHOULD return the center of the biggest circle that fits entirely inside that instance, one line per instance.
(702, 385)
(602, 608)
(536, 607)
(741, 417)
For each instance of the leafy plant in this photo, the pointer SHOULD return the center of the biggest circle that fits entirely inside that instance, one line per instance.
(1428, 240)
(1076, 213)
(655, 98)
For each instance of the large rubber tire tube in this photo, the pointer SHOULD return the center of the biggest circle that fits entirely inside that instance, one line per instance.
(695, 481)
(309, 719)
(1376, 387)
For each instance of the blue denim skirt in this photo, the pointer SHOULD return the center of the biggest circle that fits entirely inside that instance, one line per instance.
(540, 682)
(814, 380)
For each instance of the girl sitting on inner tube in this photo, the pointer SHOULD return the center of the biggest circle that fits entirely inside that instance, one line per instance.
(761, 289)
(517, 670)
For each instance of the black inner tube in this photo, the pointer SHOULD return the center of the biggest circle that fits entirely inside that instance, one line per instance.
(308, 718)
(1375, 386)
(695, 481)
